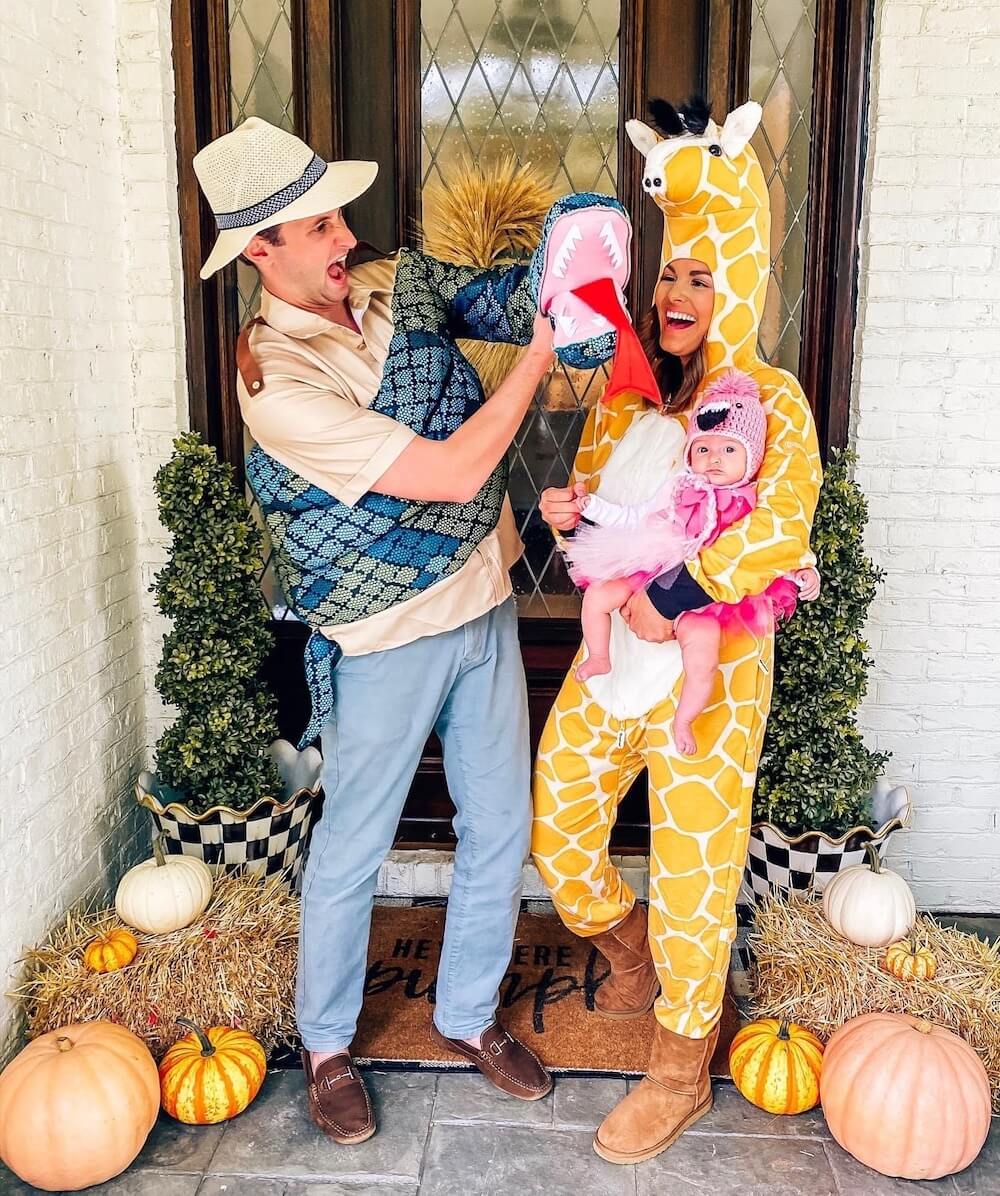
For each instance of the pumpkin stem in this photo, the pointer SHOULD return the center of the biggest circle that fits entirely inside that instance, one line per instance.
(783, 1030)
(64, 1043)
(873, 861)
(923, 1026)
(206, 1045)
(158, 850)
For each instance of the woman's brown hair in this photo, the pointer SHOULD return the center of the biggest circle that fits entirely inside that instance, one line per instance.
(678, 382)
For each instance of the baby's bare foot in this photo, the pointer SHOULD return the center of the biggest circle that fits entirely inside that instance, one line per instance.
(684, 738)
(593, 666)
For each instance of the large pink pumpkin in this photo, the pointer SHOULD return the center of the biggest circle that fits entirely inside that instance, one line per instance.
(905, 1097)
(76, 1106)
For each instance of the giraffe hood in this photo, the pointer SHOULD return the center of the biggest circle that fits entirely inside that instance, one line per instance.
(709, 185)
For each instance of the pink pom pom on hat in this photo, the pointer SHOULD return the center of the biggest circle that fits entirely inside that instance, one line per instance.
(731, 407)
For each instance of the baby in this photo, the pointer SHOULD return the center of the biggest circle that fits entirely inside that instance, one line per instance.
(622, 548)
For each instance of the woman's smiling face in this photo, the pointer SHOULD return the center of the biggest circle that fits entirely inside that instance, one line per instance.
(685, 301)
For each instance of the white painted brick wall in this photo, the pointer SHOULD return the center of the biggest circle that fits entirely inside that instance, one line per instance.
(92, 386)
(926, 424)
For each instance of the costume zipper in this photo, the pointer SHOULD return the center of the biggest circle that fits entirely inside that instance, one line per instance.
(764, 669)
(620, 742)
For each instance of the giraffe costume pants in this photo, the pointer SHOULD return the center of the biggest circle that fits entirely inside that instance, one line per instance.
(699, 814)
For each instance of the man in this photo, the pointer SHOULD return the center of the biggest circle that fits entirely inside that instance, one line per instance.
(382, 475)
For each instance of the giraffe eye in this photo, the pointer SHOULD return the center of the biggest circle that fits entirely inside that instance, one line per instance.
(647, 183)
(715, 151)
(657, 182)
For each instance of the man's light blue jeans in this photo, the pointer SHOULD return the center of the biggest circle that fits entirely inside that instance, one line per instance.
(468, 686)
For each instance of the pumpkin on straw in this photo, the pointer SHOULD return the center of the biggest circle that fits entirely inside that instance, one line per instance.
(111, 951)
(234, 965)
(907, 962)
(807, 973)
(211, 1075)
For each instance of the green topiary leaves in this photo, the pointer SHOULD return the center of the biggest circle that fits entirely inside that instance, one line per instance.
(216, 750)
(815, 770)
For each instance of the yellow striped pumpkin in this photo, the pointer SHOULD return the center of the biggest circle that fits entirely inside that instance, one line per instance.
(776, 1065)
(906, 961)
(211, 1075)
(111, 951)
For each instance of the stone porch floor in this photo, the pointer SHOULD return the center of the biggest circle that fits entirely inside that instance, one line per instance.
(451, 1134)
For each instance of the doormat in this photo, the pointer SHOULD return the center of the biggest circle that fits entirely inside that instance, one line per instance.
(546, 998)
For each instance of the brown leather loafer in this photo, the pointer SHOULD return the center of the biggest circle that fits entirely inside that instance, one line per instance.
(505, 1062)
(338, 1099)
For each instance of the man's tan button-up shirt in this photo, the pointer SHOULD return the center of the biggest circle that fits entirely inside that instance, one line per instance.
(312, 414)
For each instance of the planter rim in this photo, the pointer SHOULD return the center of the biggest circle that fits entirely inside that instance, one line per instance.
(892, 824)
(152, 802)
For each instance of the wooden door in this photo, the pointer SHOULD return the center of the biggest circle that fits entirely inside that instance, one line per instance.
(421, 84)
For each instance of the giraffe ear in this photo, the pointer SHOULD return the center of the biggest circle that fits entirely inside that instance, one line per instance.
(641, 136)
(740, 126)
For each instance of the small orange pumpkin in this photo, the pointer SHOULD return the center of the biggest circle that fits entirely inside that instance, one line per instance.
(908, 962)
(776, 1065)
(111, 951)
(211, 1075)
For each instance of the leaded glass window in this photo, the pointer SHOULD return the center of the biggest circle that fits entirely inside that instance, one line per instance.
(536, 80)
(782, 42)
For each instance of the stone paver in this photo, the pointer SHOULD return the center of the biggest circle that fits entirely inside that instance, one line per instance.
(275, 1136)
(451, 1134)
(738, 1166)
(487, 1160)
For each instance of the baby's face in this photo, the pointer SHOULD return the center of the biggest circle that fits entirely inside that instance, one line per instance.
(719, 459)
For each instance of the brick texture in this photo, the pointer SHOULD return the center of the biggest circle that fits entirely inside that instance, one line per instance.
(927, 430)
(92, 366)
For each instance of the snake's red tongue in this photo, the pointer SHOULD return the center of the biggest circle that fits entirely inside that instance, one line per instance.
(630, 368)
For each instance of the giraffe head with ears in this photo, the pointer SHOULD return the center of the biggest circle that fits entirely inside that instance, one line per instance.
(707, 181)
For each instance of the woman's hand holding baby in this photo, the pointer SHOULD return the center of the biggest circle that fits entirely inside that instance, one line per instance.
(561, 506)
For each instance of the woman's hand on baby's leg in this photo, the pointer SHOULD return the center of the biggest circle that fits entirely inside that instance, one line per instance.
(645, 621)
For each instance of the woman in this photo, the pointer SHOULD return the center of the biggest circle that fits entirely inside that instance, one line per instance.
(600, 734)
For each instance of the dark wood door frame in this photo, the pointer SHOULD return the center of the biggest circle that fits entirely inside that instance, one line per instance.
(357, 81)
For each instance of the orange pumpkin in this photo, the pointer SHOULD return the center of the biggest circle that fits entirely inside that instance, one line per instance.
(908, 962)
(212, 1075)
(111, 951)
(76, 1106)
(776, 1065)
(906, 1097)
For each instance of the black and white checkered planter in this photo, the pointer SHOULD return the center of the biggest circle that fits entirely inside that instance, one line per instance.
(777, 863)
(267, 839)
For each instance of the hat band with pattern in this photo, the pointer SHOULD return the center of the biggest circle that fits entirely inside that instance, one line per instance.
(257, 212)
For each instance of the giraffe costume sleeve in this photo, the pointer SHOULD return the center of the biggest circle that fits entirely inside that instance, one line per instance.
(600, 734)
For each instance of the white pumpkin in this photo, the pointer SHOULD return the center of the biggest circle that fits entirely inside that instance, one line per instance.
(868, 905)
(164, 893)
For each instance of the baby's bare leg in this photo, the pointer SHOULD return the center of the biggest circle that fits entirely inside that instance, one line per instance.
(699, 637)
(599, 600)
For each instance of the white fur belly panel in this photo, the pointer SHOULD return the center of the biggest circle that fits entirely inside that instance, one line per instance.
(642, 675)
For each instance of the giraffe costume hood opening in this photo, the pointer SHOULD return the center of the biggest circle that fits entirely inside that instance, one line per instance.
(716, 210)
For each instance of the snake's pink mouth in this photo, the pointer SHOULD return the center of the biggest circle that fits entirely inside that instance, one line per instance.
(583, 246)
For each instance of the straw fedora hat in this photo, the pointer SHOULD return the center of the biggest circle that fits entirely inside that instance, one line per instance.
(259, 175)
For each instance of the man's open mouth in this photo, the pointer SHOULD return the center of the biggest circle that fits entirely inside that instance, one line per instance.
(337, 271)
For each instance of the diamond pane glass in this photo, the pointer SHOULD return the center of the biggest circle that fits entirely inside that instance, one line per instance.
(782, 43)
(261, 84)
(536, 80)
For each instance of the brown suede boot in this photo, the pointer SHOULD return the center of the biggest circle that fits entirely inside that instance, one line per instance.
(675, 1093)
(632, 987)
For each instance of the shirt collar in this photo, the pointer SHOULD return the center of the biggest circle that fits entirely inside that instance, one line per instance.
(301, 324)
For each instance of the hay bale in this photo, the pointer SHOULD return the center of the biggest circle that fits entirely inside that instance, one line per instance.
(234, 966)
(806, 972)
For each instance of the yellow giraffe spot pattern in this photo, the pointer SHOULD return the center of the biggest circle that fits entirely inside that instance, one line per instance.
(715, 211)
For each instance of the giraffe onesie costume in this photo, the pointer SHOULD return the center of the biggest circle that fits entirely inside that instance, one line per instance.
(600, 734)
